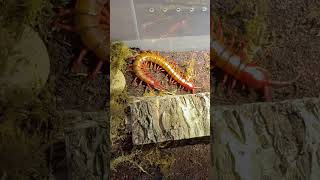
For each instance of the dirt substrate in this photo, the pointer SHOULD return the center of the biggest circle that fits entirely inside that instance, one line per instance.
(182, 162)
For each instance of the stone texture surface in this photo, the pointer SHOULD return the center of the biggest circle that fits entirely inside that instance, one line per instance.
(86, 139)
(164, 118)
(278, 141)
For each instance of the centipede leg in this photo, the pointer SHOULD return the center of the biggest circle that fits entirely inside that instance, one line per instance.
(61, 13)
(134, 82)
(220, 33)
(225, 78)
(103, 20)
(129, 68)
(231, 44)
(93, 75)
(76, 64)
(104, 11)
(266, 92)
(233, 85)
(151, 65)
(159, 68)
(242, 53)
(64, 27)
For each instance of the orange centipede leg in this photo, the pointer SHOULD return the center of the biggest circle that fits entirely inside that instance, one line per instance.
(103, 20)
(225, 78)
(57, 23)
(64, 27)
(220, 32)
(63, 11)
(104, 12)
(76, 64)
(266, 92)
(231, 44)
(93, 75)
(234, 82)
(135, 80)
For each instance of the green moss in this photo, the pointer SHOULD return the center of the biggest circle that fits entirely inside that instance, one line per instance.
(143, 160)
(251, 14)
(118, 105)
(119, 52)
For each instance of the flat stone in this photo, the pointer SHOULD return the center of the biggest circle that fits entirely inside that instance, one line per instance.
(278, 140)
(166, 118)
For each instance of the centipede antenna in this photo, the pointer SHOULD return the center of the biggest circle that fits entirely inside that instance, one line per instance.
(232, 42)
(234, 82)
(284, 83)
(220, 33)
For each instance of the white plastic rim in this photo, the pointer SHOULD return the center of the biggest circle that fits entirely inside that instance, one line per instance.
(186, 43)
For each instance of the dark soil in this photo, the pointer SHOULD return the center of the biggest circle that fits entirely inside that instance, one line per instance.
(75, 90)
(293, 33)
(190, 161)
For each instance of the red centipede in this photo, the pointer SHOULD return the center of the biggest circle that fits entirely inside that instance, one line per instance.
(157, 62)
(91, 22)
(238, 66)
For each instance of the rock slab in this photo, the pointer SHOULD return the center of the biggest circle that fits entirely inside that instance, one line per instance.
(87, 147)
(279, 141)
(166, 118)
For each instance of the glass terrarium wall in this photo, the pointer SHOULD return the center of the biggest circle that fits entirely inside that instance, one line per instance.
(161, 25)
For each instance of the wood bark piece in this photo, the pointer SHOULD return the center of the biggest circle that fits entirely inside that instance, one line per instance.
(87, 148)
(267, 141)
(165, 118)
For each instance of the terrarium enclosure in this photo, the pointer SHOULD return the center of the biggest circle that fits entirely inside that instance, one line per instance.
(168, 46)
(165, 25)
(160, 75)
(178, 30)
